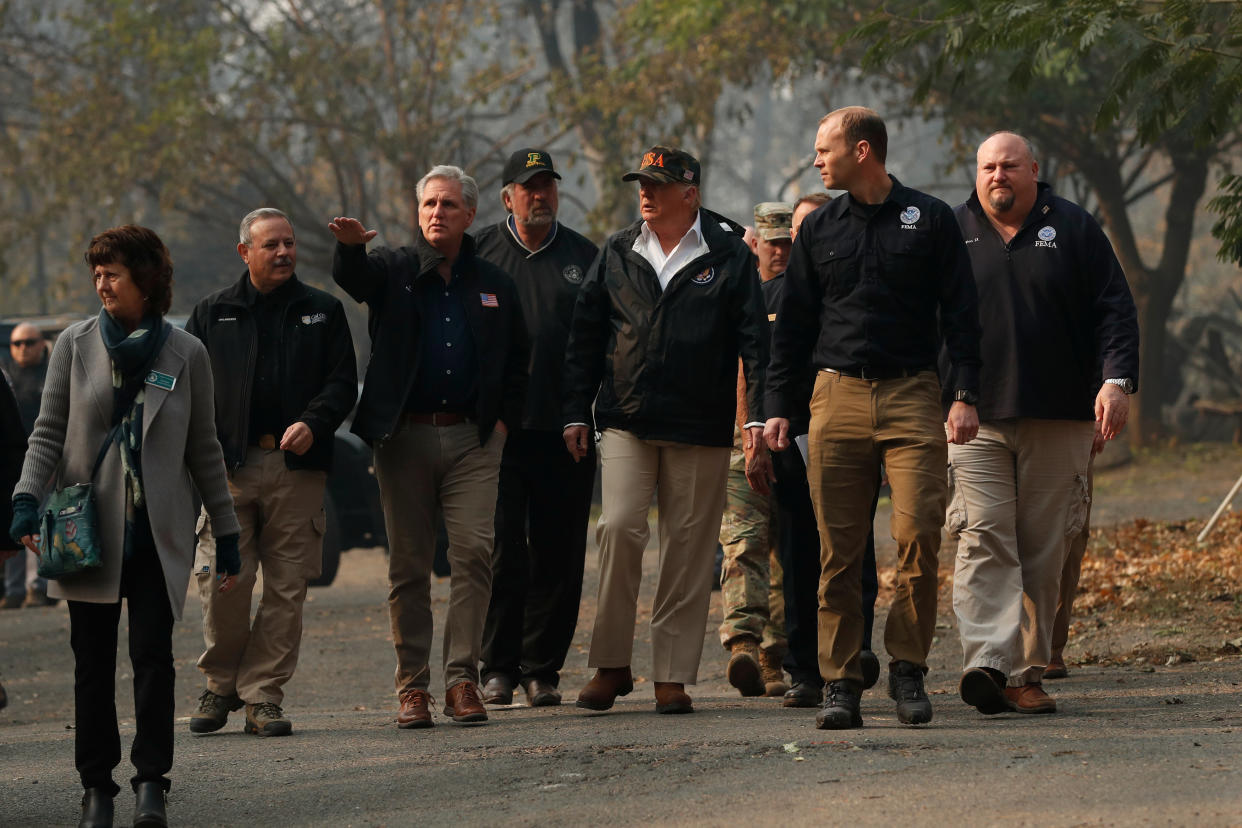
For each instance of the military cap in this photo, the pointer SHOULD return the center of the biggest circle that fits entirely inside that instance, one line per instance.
(773, 220)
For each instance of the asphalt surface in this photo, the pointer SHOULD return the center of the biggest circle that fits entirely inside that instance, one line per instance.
(1140, 744)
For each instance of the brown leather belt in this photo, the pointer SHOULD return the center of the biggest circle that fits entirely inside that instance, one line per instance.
(437, 418)
(267, 442)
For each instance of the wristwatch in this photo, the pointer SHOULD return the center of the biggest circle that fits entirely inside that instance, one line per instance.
(1126, 384)
(968, 397)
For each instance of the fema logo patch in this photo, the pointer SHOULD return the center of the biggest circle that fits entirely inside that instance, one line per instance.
(1047, 233)
(704, 278)
(572, 274)
(910, 215)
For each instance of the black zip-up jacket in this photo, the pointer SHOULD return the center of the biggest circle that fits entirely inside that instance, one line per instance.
(875, 290)
(317, 373)
(547, 282)
(384, 280)
(1057, 311)
(663, 364)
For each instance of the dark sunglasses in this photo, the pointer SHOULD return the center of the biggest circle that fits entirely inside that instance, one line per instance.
(29, 343)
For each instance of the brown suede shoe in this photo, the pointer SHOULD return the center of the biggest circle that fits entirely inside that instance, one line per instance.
(415, 709)
(461, 701)
(1056, 669)
(671, 698)
(743, 670)
(773, 676)
(604, 687)
(1030, 698)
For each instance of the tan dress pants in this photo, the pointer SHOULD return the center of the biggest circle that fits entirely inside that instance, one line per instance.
(855, 426)
(282, 526)
(423, 470)
(1070, 575)
(689, 484)
(1019, 499)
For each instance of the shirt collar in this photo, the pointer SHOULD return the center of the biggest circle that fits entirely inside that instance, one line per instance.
(695, 234)
(511, 224)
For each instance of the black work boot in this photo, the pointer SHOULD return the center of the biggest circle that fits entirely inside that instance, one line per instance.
(840, 710)
(96, 809)
(905, 686)
(149, 806)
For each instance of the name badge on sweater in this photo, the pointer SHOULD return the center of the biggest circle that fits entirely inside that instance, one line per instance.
(160, 380)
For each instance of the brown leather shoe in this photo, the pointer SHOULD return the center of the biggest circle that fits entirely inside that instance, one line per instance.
(498, 689)
(743, 670)
(671, 698)
(1056, 668)
(415, 709)
(1030, 698)
(540, 693)
(774, 685)
(604, 687)
(461, 701)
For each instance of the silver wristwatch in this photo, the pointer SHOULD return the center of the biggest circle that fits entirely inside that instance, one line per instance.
(1124, 383)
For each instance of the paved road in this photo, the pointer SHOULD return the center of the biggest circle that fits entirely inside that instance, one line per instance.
(1129, 747)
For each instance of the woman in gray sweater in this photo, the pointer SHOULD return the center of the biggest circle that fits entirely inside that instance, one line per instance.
(142, 386)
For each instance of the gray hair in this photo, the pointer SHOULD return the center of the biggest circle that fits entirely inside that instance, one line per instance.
(469, 189)
(506, 190)
(243, 232)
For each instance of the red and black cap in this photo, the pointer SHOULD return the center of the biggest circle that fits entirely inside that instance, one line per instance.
(667, 164)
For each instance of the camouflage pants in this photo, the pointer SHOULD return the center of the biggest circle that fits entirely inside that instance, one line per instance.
(752, 598)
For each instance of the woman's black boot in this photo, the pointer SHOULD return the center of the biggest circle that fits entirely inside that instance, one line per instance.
(96, 809)
(149, 806)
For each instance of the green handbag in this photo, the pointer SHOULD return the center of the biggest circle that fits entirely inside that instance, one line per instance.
(70, 536)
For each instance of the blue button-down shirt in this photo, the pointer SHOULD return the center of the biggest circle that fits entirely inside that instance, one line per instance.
(447, 378)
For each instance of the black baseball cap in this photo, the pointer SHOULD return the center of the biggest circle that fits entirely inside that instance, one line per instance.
(527, 163)
(667, 164)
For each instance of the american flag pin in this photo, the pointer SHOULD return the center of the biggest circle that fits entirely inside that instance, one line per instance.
(489, 300)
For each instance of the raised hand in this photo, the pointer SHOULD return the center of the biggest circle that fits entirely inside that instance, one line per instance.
(350, 230)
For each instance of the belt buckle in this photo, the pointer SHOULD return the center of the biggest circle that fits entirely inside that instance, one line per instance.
(862, 373)
(267, 442)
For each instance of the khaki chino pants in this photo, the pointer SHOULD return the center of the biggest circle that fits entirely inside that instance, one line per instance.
(689, 484)
(856, 425)
(424, 470)
(1019, 500)
(1070, 575)
(282, 526)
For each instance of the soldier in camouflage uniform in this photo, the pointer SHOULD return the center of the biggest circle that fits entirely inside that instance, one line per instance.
(752, 599)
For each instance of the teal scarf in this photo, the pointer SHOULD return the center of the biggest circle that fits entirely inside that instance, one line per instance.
(132, 356)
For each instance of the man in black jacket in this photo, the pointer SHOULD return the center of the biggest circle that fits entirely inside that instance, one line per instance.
(444, 386)
(545, 497)
(1056, 313)
(26, 369)
(285, 378)
(665, 312)
(12, 453)
(876, 281)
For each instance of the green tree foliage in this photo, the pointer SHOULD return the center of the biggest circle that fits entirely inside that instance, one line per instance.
(119, 109)
(1176, 64)
(1130, 96)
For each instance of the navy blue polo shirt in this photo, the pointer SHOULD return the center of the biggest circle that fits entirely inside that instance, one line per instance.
(447, 377)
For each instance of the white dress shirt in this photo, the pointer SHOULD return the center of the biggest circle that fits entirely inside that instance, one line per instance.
(691, 246)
